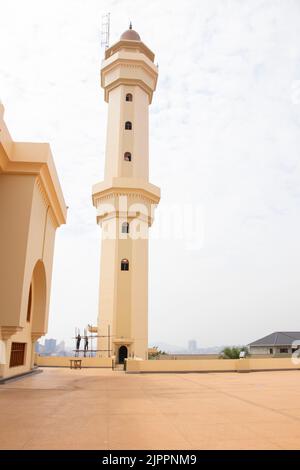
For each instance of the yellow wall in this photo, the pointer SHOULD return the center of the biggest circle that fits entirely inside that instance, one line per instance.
(51, 361)
(191, 357)
(200, 365)
(211, 365)
(31, 209)
(272, 363)
(23, 336)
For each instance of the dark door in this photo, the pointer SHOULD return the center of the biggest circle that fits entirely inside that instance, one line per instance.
(122, 354)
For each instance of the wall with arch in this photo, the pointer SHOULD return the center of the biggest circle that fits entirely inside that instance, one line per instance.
(31, 209)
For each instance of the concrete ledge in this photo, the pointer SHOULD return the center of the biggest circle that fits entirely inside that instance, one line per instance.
(68, 367)
(275, 370)
(64, 361)
(182, 371)
(210, 365)
(34, 371)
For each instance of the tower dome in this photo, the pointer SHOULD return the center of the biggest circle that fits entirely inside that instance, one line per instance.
(130, 35)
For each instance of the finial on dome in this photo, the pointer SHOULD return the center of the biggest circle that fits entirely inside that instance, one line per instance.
(130, 25)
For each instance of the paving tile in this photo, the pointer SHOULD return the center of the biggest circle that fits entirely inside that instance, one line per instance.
(103, 409)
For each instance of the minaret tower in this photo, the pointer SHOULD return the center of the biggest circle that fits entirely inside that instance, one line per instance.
(125, 200)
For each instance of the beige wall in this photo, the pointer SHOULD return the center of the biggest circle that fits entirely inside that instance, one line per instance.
(16, 193)
(31, 209)
(272, 363)
(181, 365)
(23, 336)
(259, 351)
(200, 365)
(211, 365)
(51, 361)
(192, 357)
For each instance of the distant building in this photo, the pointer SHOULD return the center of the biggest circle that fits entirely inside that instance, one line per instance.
(61, 349)
(192, 346)
(61, 346)
(50, 346)
(276, 344)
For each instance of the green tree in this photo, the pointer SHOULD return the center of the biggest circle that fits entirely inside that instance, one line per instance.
(233, 352)
(156, 354)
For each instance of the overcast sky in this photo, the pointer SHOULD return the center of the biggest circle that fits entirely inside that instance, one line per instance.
(224, 148)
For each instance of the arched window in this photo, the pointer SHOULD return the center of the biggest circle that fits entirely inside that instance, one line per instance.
(129, 97)
(127, 157)
(124, 265)
(29, 304)
(125, 227)
(128, 126)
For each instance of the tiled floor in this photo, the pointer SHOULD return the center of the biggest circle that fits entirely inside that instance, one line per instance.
(102, 409)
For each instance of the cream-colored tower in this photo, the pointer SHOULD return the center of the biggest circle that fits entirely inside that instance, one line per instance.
(125, 201)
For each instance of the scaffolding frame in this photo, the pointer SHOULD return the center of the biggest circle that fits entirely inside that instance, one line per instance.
(105, 30)
(91, 337)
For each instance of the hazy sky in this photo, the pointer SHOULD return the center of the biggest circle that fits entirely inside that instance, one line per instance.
(224, 148)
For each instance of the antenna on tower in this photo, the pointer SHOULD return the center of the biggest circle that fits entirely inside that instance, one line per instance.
(105, 30)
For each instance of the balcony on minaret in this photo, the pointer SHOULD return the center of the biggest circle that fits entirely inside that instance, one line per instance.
(129, 78)
(130, 62)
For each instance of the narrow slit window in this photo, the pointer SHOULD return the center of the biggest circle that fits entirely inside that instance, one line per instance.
(29, 304)
(125, 227)
(129, 97)
(128, 126)
(124, 265)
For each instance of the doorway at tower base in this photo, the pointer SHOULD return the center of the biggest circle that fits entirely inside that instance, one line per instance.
(124, 352)
(120, 348)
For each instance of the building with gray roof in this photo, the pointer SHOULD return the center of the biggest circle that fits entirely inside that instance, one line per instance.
(279, 343)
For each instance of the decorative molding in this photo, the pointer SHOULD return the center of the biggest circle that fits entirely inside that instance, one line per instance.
(144, 74)
(47, 203)
(36, 336)
(36, 159)
(105, 216)
(129, 82)
(132, 46)
(42, 192)
(8, 331)
(124, 341)
(132, 63)
(133, 194)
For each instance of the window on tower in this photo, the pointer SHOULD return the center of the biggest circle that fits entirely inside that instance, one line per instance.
(128, 126)
(129, 97)
(127, 157)
(29, 303)
(124, 265)
(125, 227)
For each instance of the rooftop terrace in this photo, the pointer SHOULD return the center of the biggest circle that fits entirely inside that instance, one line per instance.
(102, 409)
